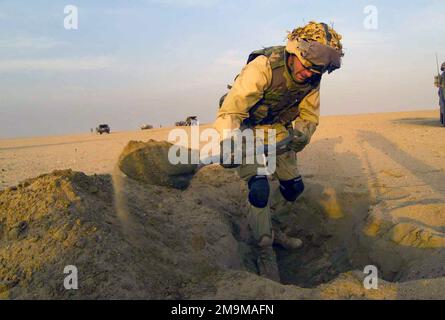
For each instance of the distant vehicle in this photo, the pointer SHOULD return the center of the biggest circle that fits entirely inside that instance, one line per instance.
(190, 121)
(146, 127)
(103, 128)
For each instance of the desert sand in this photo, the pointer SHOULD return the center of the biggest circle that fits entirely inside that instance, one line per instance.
(375, 195)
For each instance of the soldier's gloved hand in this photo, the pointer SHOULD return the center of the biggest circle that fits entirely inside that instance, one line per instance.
(299, 141)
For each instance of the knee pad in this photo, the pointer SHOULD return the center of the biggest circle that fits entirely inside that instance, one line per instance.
(292, 189)
(259, 191)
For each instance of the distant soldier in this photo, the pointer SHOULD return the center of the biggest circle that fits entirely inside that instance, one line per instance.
(441, 85)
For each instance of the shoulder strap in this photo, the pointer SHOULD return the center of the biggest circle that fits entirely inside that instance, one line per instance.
(276, 55)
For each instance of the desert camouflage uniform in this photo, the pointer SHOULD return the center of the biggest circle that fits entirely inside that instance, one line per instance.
(265, 95)
(442, 96)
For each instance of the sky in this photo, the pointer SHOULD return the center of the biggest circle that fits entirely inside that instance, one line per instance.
(155, 62)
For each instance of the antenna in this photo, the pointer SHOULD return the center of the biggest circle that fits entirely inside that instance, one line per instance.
(437, 64)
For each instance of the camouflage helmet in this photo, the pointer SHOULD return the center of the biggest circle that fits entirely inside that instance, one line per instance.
(442, 68)
(316, 45)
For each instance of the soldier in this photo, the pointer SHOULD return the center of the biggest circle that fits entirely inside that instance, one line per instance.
(279, 88)
(441, 85)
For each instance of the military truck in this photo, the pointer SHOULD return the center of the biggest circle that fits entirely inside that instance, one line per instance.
(103, 128)
(190, 121)
(146, 127)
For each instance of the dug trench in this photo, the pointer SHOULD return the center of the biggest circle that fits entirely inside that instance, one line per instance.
(148, 242)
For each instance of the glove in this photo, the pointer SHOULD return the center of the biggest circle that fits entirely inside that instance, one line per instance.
(299, 141)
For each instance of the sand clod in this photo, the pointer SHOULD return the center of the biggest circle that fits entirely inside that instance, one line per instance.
(148, 162)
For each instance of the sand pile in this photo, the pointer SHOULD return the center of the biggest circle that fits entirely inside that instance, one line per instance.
(68, 218)
(412, 235)
(199, 247)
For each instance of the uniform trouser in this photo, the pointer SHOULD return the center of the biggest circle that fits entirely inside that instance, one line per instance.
(442, 109)
(260, 218)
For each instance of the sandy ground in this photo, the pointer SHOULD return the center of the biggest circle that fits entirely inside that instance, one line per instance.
(375, 195)
(89, 153)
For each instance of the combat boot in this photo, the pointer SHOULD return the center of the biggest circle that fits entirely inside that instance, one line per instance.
(267, 260)
(287, 242)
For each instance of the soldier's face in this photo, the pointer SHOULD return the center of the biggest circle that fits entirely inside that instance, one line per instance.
(298, 70)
